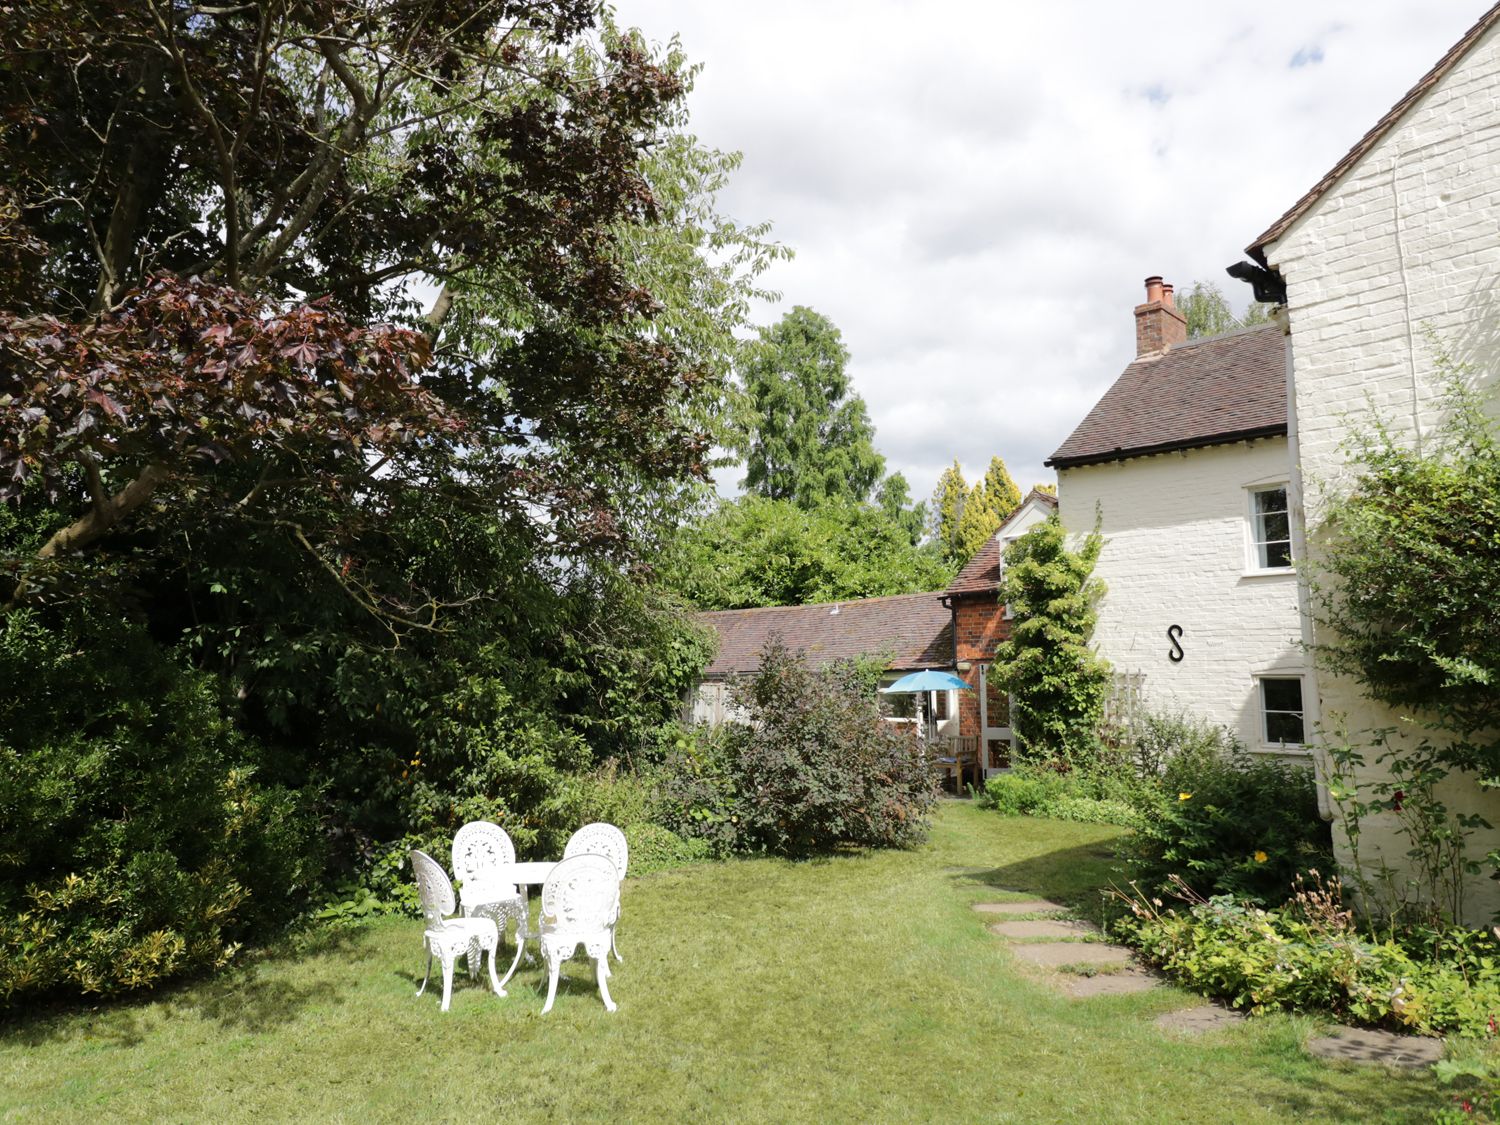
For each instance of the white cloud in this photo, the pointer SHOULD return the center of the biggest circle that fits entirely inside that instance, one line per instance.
(975, 190)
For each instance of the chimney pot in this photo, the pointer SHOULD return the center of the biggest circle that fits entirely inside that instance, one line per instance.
(1158, 324)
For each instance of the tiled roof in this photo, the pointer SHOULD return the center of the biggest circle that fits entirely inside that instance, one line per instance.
(1202, 392)
(1257, 249)
(982, 574)
(916, 630)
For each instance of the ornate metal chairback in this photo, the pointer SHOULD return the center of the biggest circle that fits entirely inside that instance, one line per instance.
(580, 894)
(481, 846)
(600, 839)
(434, 887)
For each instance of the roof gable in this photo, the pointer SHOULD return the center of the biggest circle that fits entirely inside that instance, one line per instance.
(915, 630)
(1257, 249)
(1203, 392)
(982, 574)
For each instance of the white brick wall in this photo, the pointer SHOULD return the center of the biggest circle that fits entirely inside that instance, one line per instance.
(1177, 552)
(1407, 243)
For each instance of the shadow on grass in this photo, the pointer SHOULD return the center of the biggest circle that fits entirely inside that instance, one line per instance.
(1386, 1095)
(1075, 876)
(241, 998)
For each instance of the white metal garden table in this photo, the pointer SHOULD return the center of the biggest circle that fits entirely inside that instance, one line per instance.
(525, 875)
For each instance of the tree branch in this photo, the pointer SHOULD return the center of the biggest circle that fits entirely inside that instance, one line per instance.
(103, 516)
(439, 313)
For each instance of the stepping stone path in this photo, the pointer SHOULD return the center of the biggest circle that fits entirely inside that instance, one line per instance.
(1039, 906)
(1122, 983)
(1361, 1045)
(1195, 1021)
(1054, 953)
(1042, 928)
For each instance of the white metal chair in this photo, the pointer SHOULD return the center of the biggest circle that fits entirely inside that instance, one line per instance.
(580, 900)
(478, 849)
(449, 938)
(606, 840)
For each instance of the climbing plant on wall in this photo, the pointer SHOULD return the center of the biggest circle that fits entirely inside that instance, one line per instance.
(1405, 586)
(1057, 682)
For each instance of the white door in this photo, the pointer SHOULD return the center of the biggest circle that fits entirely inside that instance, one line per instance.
(994, 724)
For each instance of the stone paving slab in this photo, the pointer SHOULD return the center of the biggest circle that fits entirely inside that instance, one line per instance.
(1054, 953)
(1036, 906)
(1361, 1045)
(1195, 1021)
(1041, 928)
(1123, 983)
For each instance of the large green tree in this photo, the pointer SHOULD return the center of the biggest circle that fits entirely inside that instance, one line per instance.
(759, 552)
(399, 544)
(809, 436)
(894, 499)
(1207, 311)
(280, 153)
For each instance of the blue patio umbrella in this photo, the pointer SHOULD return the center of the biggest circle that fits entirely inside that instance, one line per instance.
(926, 680)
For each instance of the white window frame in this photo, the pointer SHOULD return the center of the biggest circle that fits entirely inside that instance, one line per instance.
(1253, 541)
(1262, 711)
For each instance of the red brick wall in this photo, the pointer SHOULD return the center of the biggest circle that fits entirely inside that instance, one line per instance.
(980, 626)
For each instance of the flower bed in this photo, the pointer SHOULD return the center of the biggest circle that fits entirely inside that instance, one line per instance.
(1310, 954)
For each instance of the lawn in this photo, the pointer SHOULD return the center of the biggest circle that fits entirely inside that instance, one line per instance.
(858, 988)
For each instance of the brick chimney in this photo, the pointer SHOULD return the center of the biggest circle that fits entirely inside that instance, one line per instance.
(1158, 324)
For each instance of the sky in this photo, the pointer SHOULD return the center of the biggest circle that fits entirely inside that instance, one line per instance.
(975, 191)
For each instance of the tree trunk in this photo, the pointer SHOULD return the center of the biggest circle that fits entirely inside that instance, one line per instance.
(142, 167)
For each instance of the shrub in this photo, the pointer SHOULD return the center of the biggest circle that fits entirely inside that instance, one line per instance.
(1228, 822)
(136, 843)
(1092, 810)
(1160, 737)
(693, 790)
(813, 768)
(816, 766)
(1060, 796)
(1416, 517)
(654, 848)
(1022, 793)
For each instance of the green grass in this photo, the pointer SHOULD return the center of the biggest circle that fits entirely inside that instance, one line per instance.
(861, 988)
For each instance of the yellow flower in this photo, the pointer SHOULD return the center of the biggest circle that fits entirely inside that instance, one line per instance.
(1184, 796)
(1261, 857)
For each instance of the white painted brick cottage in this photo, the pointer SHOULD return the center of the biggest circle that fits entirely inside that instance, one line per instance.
(1399, 240)
(1185, 461)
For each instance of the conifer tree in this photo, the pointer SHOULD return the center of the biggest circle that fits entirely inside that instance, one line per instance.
(948, 501)
(988, 505)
